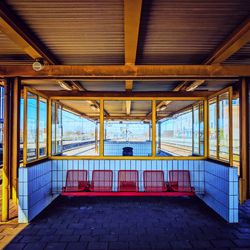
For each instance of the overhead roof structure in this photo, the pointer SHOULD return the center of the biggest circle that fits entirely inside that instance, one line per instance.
(140, 45)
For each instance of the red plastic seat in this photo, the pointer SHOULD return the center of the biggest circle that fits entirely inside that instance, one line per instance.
(102, 181)
(154, 181)
(128, 181)
(76, 181)
(179, 181)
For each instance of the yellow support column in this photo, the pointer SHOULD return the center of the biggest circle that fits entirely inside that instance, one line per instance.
(15, 138)
(101, 127)
(6, 163)
(206, 121)
(153, 128)
(244, 141)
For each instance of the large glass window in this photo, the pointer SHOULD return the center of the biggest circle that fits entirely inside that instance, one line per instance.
(127, 128)
(213, 127)
(179, 128)
(223, 127)
(36, 126)
(219, 127)
(42, 127)
(1, 122)
(31, 126)
(236, 131)
(75, 128)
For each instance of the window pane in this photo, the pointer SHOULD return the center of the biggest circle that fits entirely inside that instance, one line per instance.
(196, 128)
(128, 128)
(201, 120)
(223, 127)
(212, 127)
(1, 122)
(21, 128)
(178, 128)
(42, 126)
(31, 126)
(76, 131)
(53, 127)
(236, 131)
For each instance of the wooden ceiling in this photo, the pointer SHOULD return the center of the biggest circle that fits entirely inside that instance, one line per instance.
(125, 32)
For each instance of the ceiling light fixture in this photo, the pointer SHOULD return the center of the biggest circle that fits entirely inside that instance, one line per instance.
(38, 65)
(162, 108)
(94, 107)
(65, 85)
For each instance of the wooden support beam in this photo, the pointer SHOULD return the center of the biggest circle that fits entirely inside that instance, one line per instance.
(127, 95)
(128, 85)
(22, 35)
(128, 107)
(128, 71)
(6, 158)
(244, 140)
(239, 38)
(15, 137)
(132, 17)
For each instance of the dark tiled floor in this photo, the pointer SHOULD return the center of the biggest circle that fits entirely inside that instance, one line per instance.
(133, 223)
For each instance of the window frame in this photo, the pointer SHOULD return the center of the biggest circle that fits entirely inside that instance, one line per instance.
(216, 96)
(39, 95)
(101, 128)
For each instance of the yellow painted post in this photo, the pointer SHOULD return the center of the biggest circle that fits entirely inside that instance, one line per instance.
(206, 122)
(153, 128)
(244, 141)
(101, 127)
(49, 131)
(6, 165)
(15, 138)
(25, 144)
(217, 128)
(37, 126)
(230, 97)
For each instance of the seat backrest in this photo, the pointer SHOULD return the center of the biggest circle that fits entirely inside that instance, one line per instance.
(76, 178)
(102, 180)
(180, 178)
(153, 180)
(128, 180)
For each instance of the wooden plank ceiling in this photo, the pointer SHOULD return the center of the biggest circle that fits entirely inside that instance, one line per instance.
(125, 32)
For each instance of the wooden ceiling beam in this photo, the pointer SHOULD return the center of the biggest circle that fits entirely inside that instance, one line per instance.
(17, 30)
(118, 94)
(132, 17)
(127, 71)
(22, 35)
(128, 107)
(239, 38)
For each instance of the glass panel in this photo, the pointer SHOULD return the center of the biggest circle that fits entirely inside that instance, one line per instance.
(128, 128)
(236, 131)
(31, 126)
(201, 128)
(21, 128)
(53, 127)
(223, 128)
(1, 122)
(42, 126)
(59, 130)
(212, 127)
(176, 123)
(196, 128)
(77, 128)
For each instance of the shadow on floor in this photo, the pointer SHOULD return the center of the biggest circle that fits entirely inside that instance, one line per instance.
(132, 223)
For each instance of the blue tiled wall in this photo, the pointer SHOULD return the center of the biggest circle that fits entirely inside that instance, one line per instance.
(60, 167)
(34, 190)
(215, 184)
(221, 190)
